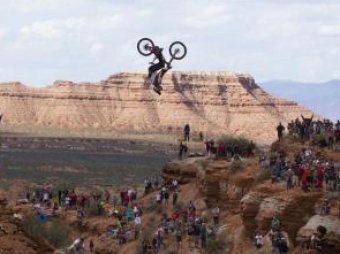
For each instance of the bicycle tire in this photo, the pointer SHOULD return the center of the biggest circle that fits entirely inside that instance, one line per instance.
(141, 46)
(182, 48)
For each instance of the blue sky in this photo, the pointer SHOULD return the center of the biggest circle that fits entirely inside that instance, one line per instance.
(88, 40)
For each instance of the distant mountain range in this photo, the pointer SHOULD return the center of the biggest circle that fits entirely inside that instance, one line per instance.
(322, 98)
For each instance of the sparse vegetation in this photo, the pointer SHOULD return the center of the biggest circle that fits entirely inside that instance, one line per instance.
(56, 232)
(319, 140)
(92, 210)
(215, 246)
(236, 166)
(243, 145)
(263, 174)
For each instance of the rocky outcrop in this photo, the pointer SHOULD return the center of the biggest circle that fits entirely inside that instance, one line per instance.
(331, 223)
(225, 187)
(220, 102)
(214, 179)
(182, 170)
(293, 210)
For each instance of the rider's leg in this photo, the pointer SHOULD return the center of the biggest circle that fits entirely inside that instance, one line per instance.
(155, 67)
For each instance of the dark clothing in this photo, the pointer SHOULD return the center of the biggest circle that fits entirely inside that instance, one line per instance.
(280, 130)
(174, 198)
(161, 63)
(182, 149)
(186, 132)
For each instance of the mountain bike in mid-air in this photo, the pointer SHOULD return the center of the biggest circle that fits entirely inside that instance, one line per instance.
(156, 71)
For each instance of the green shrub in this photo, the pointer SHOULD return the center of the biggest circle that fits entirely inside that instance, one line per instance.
(92, 210)
(215, 246)
(33, 228)
(58, 233)
(236, 166)
(243, 144)
(319, 140)
(55, 231)
(263, 174)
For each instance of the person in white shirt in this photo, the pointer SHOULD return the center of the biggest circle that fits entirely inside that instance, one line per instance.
(258, 240)
(158, 198)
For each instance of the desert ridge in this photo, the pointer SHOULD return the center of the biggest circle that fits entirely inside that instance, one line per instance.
(211, 102)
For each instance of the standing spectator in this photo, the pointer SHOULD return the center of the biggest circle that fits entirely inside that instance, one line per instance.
(207, 147)
(174, 184)
(186, 132)
(145, 246)
(289, 175)
(174, 197)
(91, 246)
(166, 198)
(216, 214)
(220, 150)
(138, 222)
(203, 236)
(280, 128)
(183, 148)
(179, 239)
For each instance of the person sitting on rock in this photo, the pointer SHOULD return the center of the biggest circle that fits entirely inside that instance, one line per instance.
(258, 240)
(324, 207)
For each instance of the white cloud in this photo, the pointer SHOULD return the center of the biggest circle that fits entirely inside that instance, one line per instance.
(27, 6)
(3, 32)
(207, 17)
(330, 30)
(53, 28)
(96, 49)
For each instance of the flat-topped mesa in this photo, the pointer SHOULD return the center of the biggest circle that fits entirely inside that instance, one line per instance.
(211, 102)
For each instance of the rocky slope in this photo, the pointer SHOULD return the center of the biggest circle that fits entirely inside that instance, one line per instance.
(210, 102)
(12, 237)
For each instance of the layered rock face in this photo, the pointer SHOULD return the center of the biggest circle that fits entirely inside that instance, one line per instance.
(223, 103)
(214, 180)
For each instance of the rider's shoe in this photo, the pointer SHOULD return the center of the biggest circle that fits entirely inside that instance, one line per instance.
(157, 90)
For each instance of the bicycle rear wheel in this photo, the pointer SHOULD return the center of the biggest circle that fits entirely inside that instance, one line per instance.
(178, 50)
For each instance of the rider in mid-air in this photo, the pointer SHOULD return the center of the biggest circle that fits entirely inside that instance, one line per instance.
(156, 71)
(157, 51)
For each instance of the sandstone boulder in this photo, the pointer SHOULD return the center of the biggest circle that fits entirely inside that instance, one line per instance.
(331, 223)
